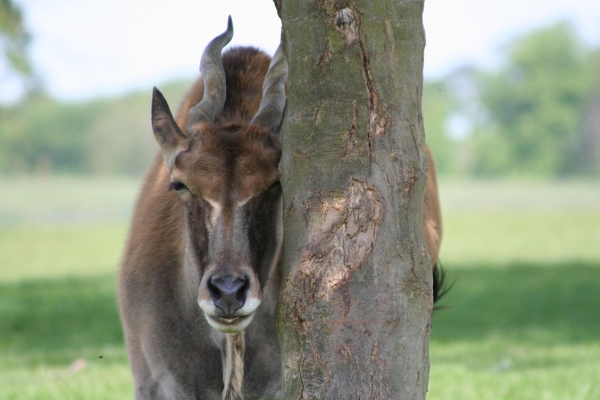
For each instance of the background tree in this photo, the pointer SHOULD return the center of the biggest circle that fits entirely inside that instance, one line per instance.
(438, 105)
(14, 38)
(354, 313)
(535, 106)
(589, 146)
(101, 136)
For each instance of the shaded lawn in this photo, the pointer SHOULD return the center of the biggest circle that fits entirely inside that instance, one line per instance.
(538, 303)
(524, 321)
(58, 315)
(524, 331)
(507, 329)
(48, 324)
(58, 305)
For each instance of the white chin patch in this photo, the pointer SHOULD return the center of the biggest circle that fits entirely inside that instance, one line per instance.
(229, 325)
(237, 323)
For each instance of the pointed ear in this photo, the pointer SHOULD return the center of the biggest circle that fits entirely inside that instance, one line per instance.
(167, 133)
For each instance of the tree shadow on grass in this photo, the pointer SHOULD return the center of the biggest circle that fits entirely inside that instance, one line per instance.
(550, 303)
(60, 315)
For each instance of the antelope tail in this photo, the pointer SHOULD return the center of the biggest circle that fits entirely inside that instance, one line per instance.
(441, 286)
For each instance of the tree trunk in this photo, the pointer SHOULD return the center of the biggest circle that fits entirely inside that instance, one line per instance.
(355, 309)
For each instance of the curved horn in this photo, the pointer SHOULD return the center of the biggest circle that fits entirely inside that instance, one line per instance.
(273, 100)
(211, 68)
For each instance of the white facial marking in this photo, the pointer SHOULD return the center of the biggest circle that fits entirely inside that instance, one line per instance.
(242, 317)
(215, 212)
(235, 326)
(248, 308)
(240, 203)
(213, 203)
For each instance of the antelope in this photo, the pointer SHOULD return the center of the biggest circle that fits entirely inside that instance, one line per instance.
(200, 275)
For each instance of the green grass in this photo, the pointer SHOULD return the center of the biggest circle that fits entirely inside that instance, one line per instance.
(524, 321)
(47, 325)
(57, 305)
(60, 245)
(61, 200)
(36, 252)
(497, 238)
(522, 331)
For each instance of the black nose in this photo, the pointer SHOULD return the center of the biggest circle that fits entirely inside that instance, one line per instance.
(228, 293)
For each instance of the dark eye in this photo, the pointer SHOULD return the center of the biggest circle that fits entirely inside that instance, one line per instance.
(177, 186)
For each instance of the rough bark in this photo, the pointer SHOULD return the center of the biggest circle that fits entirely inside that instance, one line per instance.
(355, 308)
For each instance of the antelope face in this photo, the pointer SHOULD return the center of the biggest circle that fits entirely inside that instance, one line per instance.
(227, 180)
(230, 192)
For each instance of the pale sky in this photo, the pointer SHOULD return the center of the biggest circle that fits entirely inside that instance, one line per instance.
(84, 48)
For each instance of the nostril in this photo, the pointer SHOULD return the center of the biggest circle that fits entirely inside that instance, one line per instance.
(214, 291)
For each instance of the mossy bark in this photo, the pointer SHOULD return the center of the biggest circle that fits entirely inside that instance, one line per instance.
(355, 308)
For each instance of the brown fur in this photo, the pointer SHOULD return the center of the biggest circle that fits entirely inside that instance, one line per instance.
(432, 215)
(173, 351)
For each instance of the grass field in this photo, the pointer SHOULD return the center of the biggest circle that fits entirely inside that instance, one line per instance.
(524, 321)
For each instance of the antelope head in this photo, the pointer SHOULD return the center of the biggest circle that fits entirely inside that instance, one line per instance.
(226, 177)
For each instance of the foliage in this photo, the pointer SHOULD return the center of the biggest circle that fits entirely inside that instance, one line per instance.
(539, 115)
(589, 149)
(535, 116)
(41, 133)
(14, 38)
(100, 136)
(437, 105)
(535, 106)
(108, 136)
